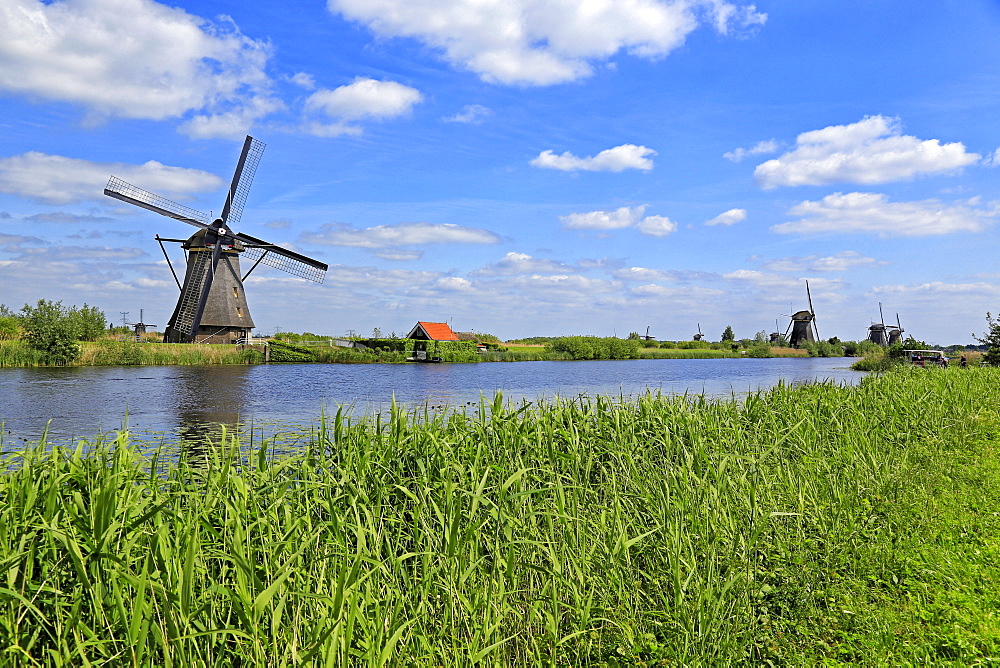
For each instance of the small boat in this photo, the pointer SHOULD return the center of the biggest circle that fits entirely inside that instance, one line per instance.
(926, 358)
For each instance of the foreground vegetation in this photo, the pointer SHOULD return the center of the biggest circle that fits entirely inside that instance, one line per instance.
(819, 524)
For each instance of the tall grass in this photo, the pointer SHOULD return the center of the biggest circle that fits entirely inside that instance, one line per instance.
(664, 530)
(110, 352)
(686, 354)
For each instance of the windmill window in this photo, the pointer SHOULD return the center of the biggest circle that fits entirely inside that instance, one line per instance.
(235, 294)
(239, 311)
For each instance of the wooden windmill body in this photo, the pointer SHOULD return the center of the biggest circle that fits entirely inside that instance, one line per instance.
(803, 324)
(212, 306)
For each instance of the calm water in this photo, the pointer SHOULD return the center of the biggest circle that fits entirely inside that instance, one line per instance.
(164, 402)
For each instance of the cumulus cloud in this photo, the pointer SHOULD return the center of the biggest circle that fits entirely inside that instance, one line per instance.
(841, 261)
(873, 150)
(513, 264)
(471, 113)
(404, 234)
(617, 159)
(992, 160)
(399, 255)
(59, 180)
(760, 148)
(544, 42)
(657, 226)
(362, 99)
(74, 253)
(730, 217)
(643, 274)
(873, 213)
(131, 58)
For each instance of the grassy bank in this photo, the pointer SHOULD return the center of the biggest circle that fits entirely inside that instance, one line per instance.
(110, 352)
(815, 524)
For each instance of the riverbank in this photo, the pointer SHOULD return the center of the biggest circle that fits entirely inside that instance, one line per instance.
(110, 352)
(800, 525)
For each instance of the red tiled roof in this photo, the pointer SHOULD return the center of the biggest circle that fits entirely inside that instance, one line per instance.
(438, 331)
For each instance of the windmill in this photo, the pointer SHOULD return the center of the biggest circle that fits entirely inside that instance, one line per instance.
(647, 337)
(212, 307)
(803, 324)
(896, 335)
(699, 335)
(775, 337)
(139, 327)
(877, 332)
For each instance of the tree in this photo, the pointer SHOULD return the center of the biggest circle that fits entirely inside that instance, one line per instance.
(50, 330)
(8, 328)
(90, 323)
(728, 334)
(991, 340)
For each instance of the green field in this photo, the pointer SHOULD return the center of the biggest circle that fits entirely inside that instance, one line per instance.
(816, 524)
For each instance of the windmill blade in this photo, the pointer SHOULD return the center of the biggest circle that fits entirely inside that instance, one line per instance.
(809, 295)
(282, 258)
(127, 192)
(242, 180)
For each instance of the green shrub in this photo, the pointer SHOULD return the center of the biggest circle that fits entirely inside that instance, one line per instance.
(596, 348)
(51, 331)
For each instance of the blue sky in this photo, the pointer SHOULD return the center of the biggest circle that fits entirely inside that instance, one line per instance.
(518, 167)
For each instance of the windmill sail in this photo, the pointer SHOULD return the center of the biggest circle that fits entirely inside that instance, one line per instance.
(127, 192)
(282, 258)
(246, 168)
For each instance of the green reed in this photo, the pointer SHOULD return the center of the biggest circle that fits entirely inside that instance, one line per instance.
(778, 528)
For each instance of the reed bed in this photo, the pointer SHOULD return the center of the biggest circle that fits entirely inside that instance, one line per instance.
(685, 354)
(109, 352)
(799, 525)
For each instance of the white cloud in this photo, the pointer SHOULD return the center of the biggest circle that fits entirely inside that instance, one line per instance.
(841, 261)
(130, 58)
(642, 274)
(404, 234)
(604, 220)
(399, 255)
(453, 284)
(617, 159)
(992, 160)
(76, 253)
(622, 217)
(471, 113)
(513, 264)
(59, 180)
(543, 42)
(760, 148)
(730, 217)
(302, 79)
(873, 150)
(872, 213)
(656, 226)
(361, 99)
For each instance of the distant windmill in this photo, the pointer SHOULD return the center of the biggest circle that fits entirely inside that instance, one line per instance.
(896, 335)
(647, 337)
(803, 324)
(139, 327)
(877, 332)
(775, 337)
(212, 306)
(699, 336)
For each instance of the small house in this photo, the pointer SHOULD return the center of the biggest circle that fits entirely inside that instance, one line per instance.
(432, 331)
